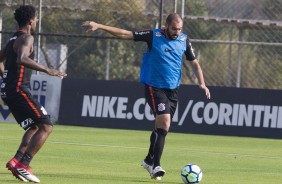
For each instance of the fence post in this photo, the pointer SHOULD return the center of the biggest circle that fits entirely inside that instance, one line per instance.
(108, 52)
(230, 59)
(175, 6)
(161, 13)
(238, 81)
(182, 8)
(39, 31)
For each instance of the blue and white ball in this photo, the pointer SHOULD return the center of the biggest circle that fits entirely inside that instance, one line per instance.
(191, 173)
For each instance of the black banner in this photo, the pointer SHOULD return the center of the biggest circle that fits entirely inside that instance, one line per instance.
(120, 104)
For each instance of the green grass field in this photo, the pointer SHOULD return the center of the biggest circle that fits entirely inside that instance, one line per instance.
(75, 155)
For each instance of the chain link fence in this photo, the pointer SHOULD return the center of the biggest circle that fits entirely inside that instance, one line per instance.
(238, 42)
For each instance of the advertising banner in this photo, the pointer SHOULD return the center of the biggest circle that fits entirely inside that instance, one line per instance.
(120, 104)
(45, 89)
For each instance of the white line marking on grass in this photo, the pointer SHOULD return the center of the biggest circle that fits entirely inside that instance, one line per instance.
(94, 145)
(128, 147)
(230, 154)
(80, 144)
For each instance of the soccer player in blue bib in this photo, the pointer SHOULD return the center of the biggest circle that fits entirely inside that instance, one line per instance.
(161, 75)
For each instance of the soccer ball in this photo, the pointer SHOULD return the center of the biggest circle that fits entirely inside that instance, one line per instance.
(191, 173)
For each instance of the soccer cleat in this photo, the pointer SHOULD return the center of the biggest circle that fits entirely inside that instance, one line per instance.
(25, 171)
(146, 166)
(10, 166)
(149, 168)
(157, 173)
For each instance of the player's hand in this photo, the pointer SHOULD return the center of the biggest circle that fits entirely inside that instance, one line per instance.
(57, 73)
(92, 25)
(207, 91)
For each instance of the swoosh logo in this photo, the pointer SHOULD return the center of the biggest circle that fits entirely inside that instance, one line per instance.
(168, 50)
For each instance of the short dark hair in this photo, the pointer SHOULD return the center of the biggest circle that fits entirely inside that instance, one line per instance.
(24, 14)
(172, 17)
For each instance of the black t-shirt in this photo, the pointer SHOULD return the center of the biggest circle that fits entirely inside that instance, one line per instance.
(147, 36)
(15, 77)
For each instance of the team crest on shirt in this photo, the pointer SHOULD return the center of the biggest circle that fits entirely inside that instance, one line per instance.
(161, 107)
(158, 34)
(182, 38)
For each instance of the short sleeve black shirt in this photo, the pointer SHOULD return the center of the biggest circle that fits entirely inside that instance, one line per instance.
(147, 36)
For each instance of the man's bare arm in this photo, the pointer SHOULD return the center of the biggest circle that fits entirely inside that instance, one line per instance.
(120, 33)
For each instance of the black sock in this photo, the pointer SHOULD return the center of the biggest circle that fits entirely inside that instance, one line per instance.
(149, 158)
(26, 159)
(158, 150)
(18, 155)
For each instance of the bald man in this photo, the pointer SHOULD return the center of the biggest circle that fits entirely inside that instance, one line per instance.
(161, 75)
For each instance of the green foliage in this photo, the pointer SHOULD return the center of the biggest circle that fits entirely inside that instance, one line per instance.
(90, 62)
(87, 52)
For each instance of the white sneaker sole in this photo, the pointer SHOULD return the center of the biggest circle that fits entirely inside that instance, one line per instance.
(158, 174)
(149, 169)
(21, 178)
(28, 176)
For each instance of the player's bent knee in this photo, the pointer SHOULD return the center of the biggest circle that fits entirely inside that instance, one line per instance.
(46, 127)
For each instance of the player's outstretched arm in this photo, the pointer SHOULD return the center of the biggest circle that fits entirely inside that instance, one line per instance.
(120, 33)
(199, 73)
(23, 47)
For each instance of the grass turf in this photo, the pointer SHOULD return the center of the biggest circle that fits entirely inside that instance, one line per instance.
(75, 155)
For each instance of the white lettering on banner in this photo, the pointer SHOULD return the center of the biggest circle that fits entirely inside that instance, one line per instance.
(121, 108)
(279, 121)
(234, 115)
(185, 113)
(175, 116)
(195, 110)
(114, 107)
(258, 110)
(211, 118)
(225, 111)
(99, 106)
(89, 106)
(136, 108)
(149, 116)
(108, 107)
(270, 117)
(245, 115)
(223, 114)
